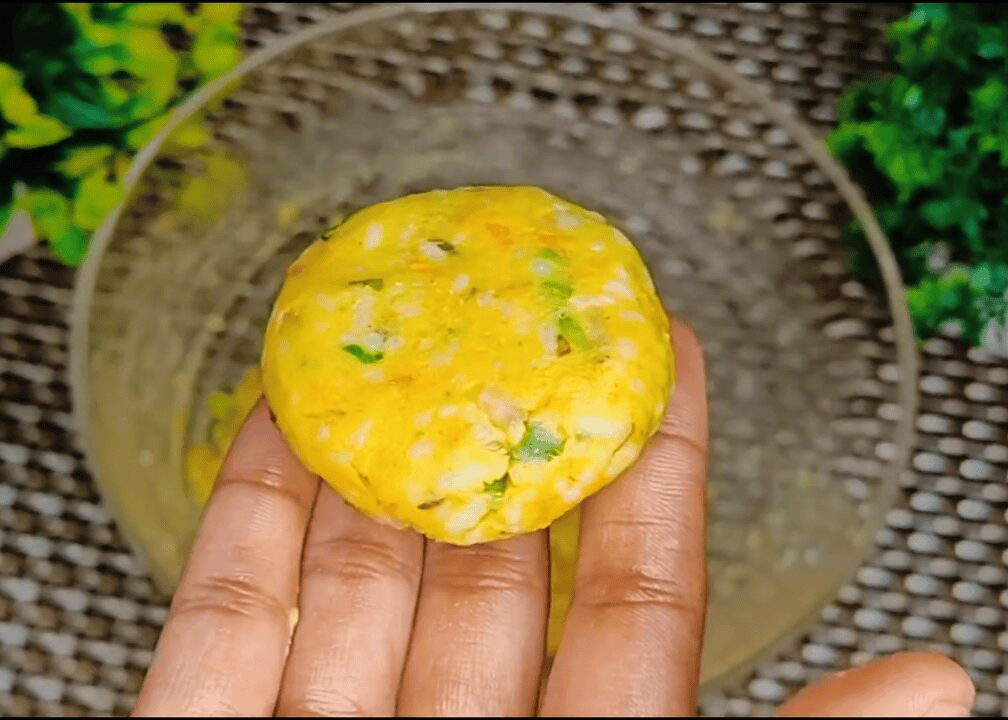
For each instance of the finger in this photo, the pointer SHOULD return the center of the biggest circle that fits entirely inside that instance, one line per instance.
(632, 641)
(223, 648)
(903, 685)
(480, 630)
(359, 584)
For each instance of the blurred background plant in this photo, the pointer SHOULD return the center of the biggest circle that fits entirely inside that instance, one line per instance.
(929, 145)
(82, 87)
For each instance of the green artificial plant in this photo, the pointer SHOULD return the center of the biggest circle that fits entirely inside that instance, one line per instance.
(82, 87)
(929, 145)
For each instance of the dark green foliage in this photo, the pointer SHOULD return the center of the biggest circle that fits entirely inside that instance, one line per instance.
(929, 145)
(82, 87)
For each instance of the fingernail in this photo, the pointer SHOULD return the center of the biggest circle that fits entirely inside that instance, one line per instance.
(948, 708)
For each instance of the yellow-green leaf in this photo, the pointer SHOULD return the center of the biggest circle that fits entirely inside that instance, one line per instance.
(80, 161)
(39, 132)
(215, 52)
(221, 13)
(8, 76)
(17, 106)
(100, 61)
(94, 199)
(50, 215)
(155, 96)
(154, 14)
(70, 245)
(146, 46)
(97, 33)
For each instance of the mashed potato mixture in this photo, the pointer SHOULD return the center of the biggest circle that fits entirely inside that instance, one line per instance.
(469, 363)
(229, 408)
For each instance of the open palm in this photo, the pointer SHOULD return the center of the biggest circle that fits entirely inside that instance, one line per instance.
(295, 604)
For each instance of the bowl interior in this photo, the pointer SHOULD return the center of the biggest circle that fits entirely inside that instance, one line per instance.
(739, 222)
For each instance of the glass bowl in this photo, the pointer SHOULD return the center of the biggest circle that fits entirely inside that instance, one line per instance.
(734, 204)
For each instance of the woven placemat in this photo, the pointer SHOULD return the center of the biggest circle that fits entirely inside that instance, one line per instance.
(79, 617)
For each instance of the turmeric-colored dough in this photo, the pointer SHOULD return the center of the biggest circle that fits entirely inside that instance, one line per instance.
(470, 363)
(229, 409)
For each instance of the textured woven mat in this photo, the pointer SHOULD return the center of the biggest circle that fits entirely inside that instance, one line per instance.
(79, 618)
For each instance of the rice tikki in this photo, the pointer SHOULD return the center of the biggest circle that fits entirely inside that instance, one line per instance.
(469, 363)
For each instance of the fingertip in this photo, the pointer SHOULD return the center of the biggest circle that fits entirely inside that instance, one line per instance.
(951, 683)
(908, 684)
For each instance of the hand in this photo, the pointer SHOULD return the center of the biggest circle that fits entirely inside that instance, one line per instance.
(293, 603)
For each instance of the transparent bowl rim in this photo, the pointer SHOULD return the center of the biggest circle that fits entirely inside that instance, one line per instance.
(685, 49)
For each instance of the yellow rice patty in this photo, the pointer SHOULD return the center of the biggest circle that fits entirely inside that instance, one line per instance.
(470, 363)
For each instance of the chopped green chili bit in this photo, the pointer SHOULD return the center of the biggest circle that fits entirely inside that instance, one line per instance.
(557, 291)
(550, 254)
(563, 346)
(571, 330)
(363, 355)
(373, 283)
(430, 504)
(538, 443)
(445, 245)
(497, 487)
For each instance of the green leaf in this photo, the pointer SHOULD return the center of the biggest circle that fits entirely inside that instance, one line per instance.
(216, 51)
(9, 76)
(913, 97)
(991, 96)
(40, 131)
(70, 245)
(155, 14)
(101, 63)
(50, 214)
(154, 96)
(80, 161)
(844, 140)
(147, 50)
(373, 283)
(16, 105)
(79, 112)
(945, 213)
(221, 13)
(363, 355)
(930, 13)
(96, 196)
(537, 444)
(991, 44)
(909, 164)
(929, 120)
(95, 32)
